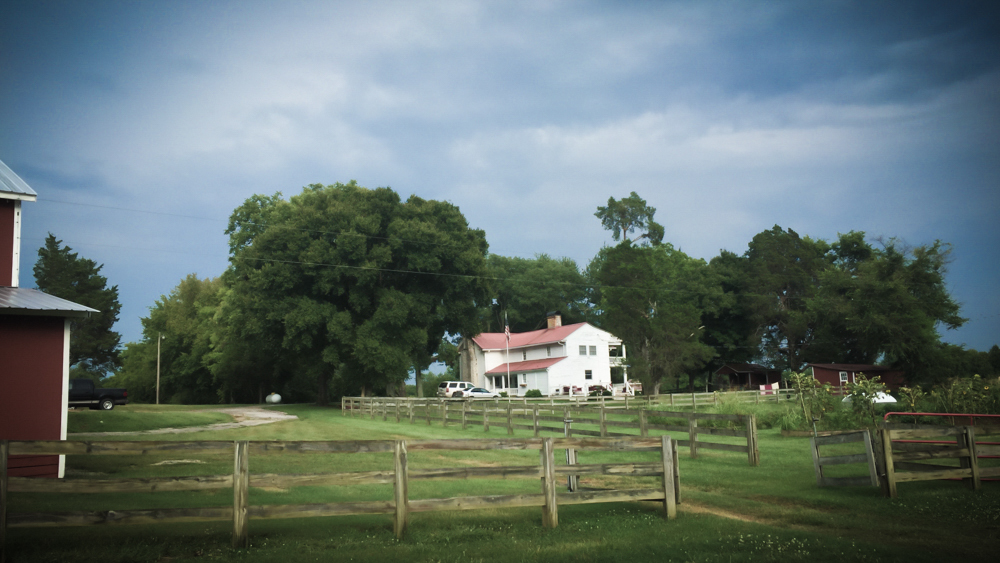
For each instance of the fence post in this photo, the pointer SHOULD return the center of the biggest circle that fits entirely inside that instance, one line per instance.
(604, 421)
(486, 416)
(677, 471)
(534, 419)
(694, 403)
(510, 421)
(890, 473)
(567, 424)
(400, 490)
(342, 412)
(669, 494)
(241, 493)
(385, 409)
(4, 450)
(693, 435)
(643, 424)
(427, 411)
(465, 411)
(550, 513)
(753, 451)
(969, 436)
(444, 414)
(409, 405)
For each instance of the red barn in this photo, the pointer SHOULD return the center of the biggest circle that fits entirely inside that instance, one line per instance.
(839, 375)
(34, 345)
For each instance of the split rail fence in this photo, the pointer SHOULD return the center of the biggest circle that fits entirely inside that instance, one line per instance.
(867, 457)
(538, 417)
(908, 450)
(400, 475)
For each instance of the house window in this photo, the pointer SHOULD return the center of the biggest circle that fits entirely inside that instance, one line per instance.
(498, 382)
(588, 374)
(843, 377)
(593, 350)
(583, 350)
(524, 354)
(548, 351)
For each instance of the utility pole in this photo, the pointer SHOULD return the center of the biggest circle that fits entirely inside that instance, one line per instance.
(159, 337)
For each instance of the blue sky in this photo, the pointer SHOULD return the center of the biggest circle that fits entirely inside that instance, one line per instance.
(142, 125)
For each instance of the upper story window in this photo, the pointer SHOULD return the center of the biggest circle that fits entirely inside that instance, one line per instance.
(843, 377)
(524, 354)
(548, 351)
(588, 374)
(593, 350)
(583, 350)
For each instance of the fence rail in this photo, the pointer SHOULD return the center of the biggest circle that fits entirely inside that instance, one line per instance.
(907, 452)
(538, 418)
(400, 506)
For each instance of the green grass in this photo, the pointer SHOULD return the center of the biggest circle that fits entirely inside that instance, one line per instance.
(730, 511)
(131, 418)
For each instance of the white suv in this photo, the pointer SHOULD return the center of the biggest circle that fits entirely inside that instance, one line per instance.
(447, 388)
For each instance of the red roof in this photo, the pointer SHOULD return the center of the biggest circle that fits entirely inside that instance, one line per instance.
(498, 341)
(530, 365)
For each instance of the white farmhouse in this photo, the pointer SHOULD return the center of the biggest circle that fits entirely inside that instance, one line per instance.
(557, 360)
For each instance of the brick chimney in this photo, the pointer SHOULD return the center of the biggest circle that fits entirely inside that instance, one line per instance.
(554, 319)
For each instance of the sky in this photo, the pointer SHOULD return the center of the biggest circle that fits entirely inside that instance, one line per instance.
(142, 125)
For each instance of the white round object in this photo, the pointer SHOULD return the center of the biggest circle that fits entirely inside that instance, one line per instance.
(273, 399)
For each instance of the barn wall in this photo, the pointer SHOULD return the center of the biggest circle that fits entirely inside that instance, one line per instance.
(31, 380)
(8, 208)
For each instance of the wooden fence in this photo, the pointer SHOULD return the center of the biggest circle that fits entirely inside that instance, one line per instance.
(538, 417)
(400, 506)
(675, 400)
(906, 451)
(867, 457)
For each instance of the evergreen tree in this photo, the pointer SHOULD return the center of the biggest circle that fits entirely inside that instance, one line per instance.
(93, 349)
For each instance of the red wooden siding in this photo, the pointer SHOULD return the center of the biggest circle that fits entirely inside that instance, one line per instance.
(31, 376)
(6, 241)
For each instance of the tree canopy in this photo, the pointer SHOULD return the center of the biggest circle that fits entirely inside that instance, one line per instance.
(628, 215)
(353, 281)
(59, 271)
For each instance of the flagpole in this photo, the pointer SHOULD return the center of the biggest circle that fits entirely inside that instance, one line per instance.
(506, 329)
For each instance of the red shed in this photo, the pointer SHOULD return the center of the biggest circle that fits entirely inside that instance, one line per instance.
(34, 345)
(839, 375)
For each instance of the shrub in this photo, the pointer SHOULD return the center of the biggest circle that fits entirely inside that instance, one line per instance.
(533, 393)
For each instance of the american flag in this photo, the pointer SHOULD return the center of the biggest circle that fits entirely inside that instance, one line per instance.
(506, 331)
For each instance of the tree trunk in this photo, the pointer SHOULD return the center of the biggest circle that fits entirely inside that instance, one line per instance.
(417, 377)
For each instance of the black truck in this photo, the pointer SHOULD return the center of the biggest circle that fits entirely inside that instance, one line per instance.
(83, 394)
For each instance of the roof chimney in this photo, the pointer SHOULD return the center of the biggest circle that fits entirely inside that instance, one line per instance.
(554, 319)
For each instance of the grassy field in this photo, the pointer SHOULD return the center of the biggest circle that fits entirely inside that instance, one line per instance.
(132, 418)
(730, 511)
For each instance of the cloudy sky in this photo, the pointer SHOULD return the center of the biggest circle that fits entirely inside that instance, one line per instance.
(142, 125)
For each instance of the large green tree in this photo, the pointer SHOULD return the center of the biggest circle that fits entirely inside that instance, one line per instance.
(59, 271)
(353, 282)
(184, 321)
(782, 273)
(525, 289)
(653, 298)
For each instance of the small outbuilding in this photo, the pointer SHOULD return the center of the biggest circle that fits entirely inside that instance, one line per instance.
(34, 345)
(746, 376)
(839, 375)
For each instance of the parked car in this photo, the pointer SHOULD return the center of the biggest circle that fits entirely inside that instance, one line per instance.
(475, 393)
(82, 393)
(448, 388)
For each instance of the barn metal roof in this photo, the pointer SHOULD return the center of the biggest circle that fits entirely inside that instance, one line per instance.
(13, 187)
(23, 301)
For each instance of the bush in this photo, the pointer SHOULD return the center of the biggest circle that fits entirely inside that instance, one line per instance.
(533, 393)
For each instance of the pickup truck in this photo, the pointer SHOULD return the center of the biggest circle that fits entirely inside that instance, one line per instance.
(83, 394)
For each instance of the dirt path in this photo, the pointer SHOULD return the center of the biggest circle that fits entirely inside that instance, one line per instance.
(242, 417)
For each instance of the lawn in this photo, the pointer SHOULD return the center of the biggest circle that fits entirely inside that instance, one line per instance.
(730, 511)
(132, 418)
